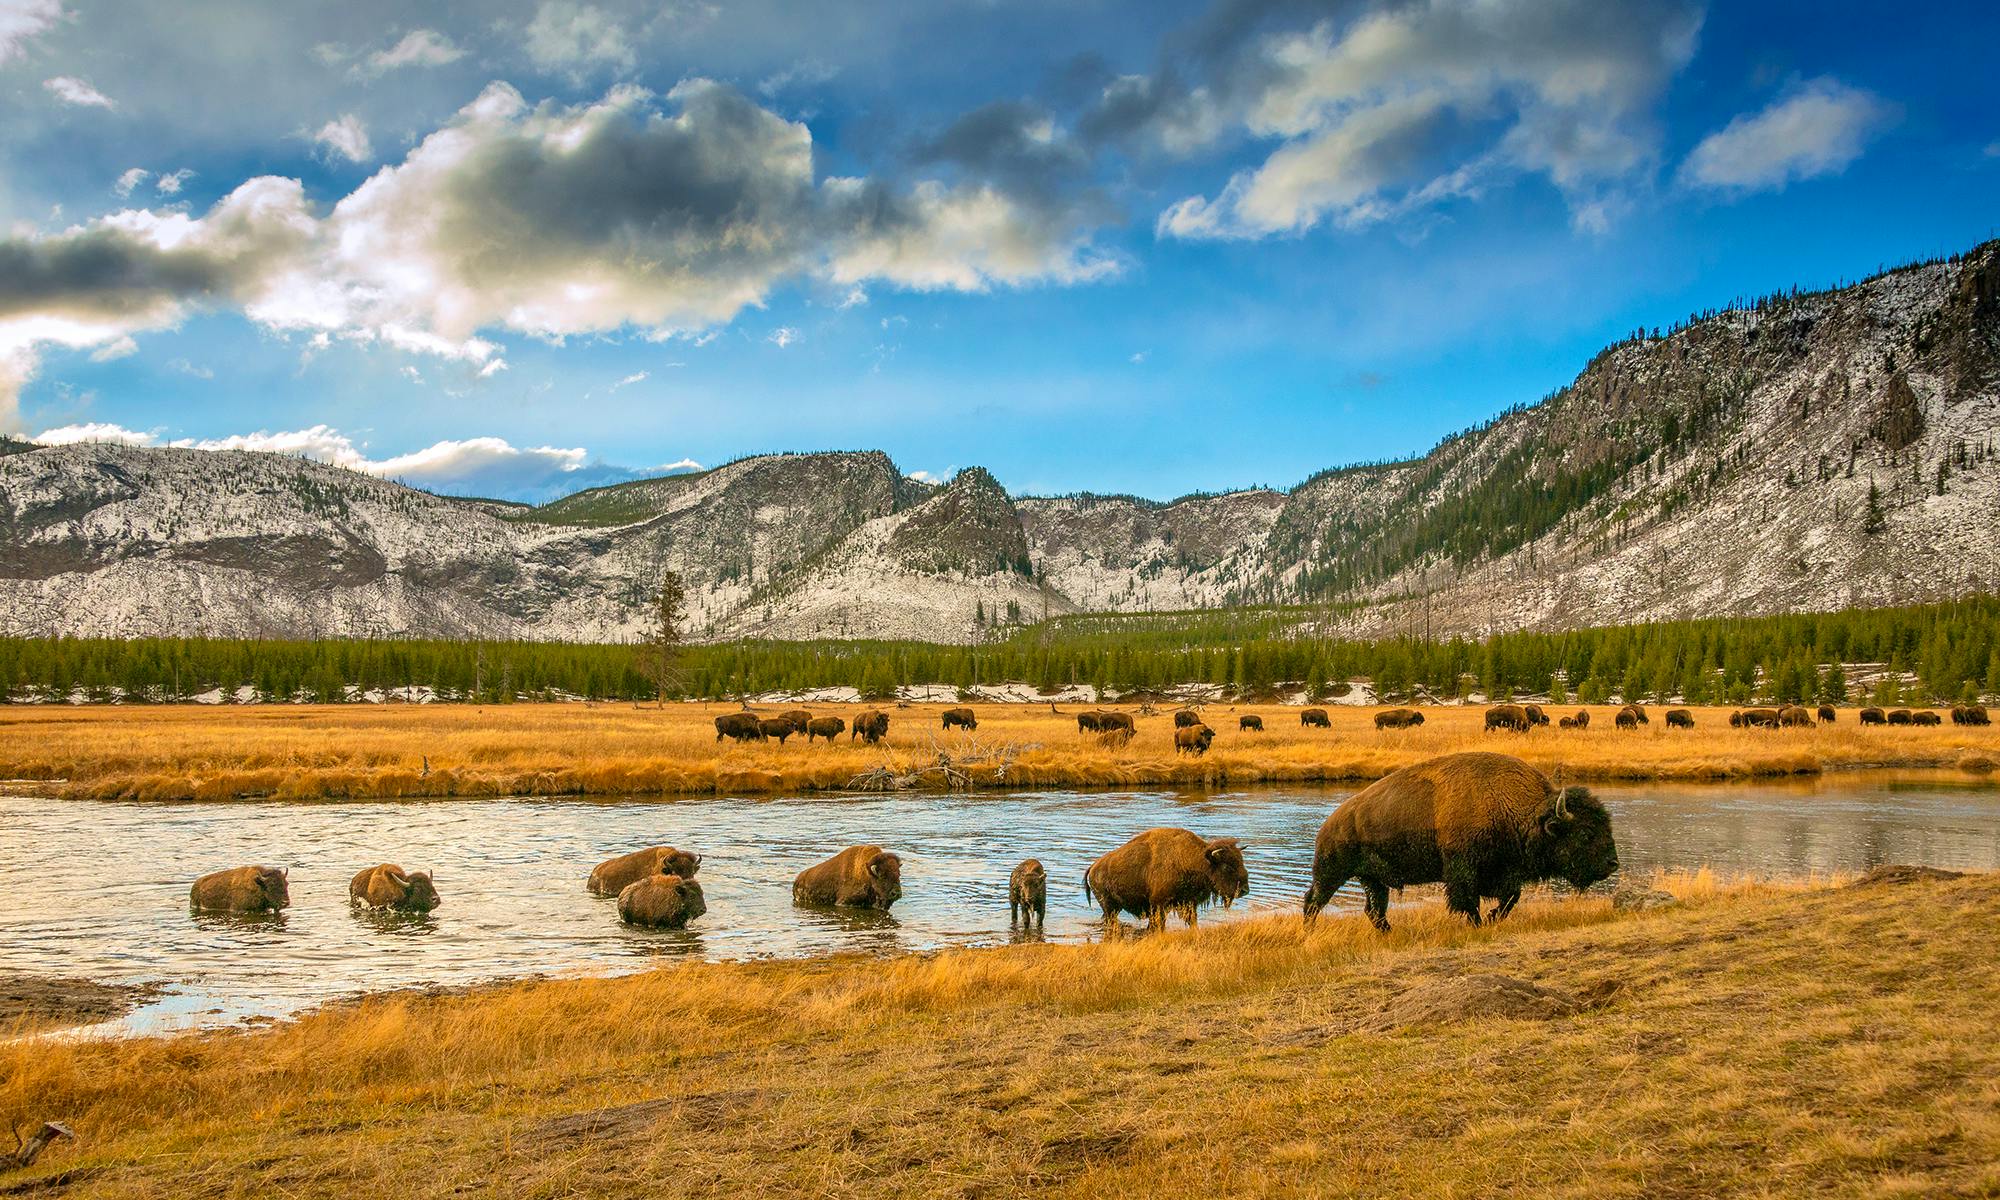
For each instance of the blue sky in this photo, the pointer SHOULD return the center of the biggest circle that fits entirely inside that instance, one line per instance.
(518, 247)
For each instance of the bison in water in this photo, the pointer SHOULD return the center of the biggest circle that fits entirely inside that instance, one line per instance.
(1827, 714)
(1194, 740)
(1679, 718)
(1873, 716)
(1315, 717)
(614, 875)
(1482, 824)
(857, 877)
(242, 890)
(389, 886)
(959, 718)
(1028, 893)
(1508, 716)
(661, 901)
(1398, 718)
(824, 727)
(741, 726)
(1165, 871)
(1186, 718)
(871, 726)
(1250, 724)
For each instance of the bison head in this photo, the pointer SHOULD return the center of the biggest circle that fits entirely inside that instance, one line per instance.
(688, 893)
(1226, 872)
(885, 881)
(1576, 836)
(419, 893)
(680, 862)
(272, 885)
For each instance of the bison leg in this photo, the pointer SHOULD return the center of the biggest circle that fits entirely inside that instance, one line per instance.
(1461, 889)
(1509, 897)
(1378, 904)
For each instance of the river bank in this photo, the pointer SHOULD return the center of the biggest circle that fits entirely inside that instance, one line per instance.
(1746, 1039)
(194, 752)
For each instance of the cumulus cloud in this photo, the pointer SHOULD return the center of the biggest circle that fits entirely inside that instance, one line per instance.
(783, 336)
(628, 381)
(124, 347)
(1405, 105)
(71, 90)
(130, 180)
(346, 136)
(69, 435)
(1817, 129)
(172, 182)
(22, 20)
(418, 48)
(576, 39)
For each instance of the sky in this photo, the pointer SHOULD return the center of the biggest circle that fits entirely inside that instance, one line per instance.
(520, 247)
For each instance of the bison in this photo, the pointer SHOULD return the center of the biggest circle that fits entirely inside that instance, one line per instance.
(242, 890)
(1760, 718)
(1626, 719)
(870, 725)
(1679, 718)
(799, 718)
(1482, 824)
(1872, 716)
(1827, 713)
(661, 902)
(740, 726)
(1582, 718)
(1793, 716)
(1638, 712)
(1970, 714)
(777, 727)
(1186, 718)
(1315, 717)
(824, 727)
(857, 877)
(1089, 722)
(1398, 718)
(1507, 716)
(1535, 714)
(1566, 723)
(614, 875)
(1926, 718)
(1165, 871)
(1028, 893)
(1901, 716)
(1194, 740)
(1250, 724)
(1116, 722)
(959, 718)
(389, 886)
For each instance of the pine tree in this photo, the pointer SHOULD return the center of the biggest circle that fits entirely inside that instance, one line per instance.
(660, 649)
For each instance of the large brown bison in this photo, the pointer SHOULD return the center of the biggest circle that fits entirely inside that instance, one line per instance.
(824, 727)
(1165, 871)
(1250, 724)
(857, 877)
(661, 902)
(870, 725)
(1028, 893)
(1626, 718)
(1902, 716)
(1507, 716)
(740, 726)
(614, 875)
(1926, 717)
(1970, 714)
(1482, 824)
(1089, 722)
(777, 727)
(1398, 718)
(390, 886)
(799, 718)
(1186, 718)
(1679, 718)
(1827, 714)
(1873, 716)
(1315, 717)
(1755, 718)
(1638, 712)
(959, 718)
(1794, 716)
(1112, 722)
(1194, 740)
(1535, 714)
(242, 890)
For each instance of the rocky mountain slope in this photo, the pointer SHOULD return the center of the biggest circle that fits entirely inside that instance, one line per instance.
(1810, 451)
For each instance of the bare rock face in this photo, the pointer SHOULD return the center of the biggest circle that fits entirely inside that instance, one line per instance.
(1813, 451)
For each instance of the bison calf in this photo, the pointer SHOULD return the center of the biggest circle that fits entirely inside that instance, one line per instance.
(242, 890)
(614, 875)
(1028, 893)
(661, 902)
(1165, 871)
(389, 886)
(857, 877)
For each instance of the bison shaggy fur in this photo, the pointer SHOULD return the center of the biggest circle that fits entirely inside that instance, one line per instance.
(614, 875)
(1926, 718)
(1873, 716)
(1827, 713)
(242, 890)
(740, 726)
(1508, 716)
(1186, 718)
(857, 877)
(1315, 717)
(1398, 718)
(1902, 716)
(1028, 892)
(1165, 871)
(1255, 724)
(777, 727)
(661, 902)
(959, 718)
(824, 727)
(870, 725)
(1679, 718)
(390, 886)
(1194, 740)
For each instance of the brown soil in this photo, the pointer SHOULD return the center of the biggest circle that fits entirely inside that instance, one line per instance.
(1471, 997)
(55, 1001)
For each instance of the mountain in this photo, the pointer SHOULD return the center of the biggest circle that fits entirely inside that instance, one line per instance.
(1808, 451)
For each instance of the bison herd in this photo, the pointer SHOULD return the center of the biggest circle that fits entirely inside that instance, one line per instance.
(870, 725)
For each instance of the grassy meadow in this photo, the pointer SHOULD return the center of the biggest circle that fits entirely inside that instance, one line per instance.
(190, 752)
(1753, 1039)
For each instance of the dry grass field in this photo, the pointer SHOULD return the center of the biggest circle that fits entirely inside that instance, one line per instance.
(1751, 1040)
(201, 753)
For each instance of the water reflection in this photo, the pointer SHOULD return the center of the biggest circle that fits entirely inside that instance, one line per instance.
(112, 878)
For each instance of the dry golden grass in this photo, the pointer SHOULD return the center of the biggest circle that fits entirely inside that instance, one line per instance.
(1755, 1039)
(198, 753)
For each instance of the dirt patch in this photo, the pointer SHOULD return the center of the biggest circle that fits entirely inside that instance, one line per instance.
(629, 1120)
(1471, 997)
(55, 1000)
(1904, 873)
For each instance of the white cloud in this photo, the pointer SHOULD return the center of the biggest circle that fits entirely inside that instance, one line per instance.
(346, 136)
(192, 370)
(1817, 129)
(418, 48)
(171, 183)
(131, 179)
(628, 381)
(71, 90)
(854, 298)
(124, 347)
(783, 336)
(575, 38)
(21, 20)
(69, 435)
(1140, 357)
(964, 238)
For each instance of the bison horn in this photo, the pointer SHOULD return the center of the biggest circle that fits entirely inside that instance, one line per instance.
(1562, 804)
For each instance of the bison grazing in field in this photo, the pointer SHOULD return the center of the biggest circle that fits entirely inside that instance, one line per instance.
(1872, 716)
(799, 718)
(740, 726)
(1582, 718)
(1626, 719)
(777, 727)
(1028, 893)
(389, 886)
(1186, 718)
(242, 890)
(1901, 716)
(1482, 824)
(1793, 716)
(824, 727)
(1507, 716)
(1638, 712)
(959, 718)
(1755, 718)
(1315, 717)
(614, 875)
(1566, 723)
(1398, 718)
(870, 726)
(1165, 871)
(661, 902)
(1116, 722)
(1194, 740)
(1970, 714)
(1535, 714)
(1250, 724)
(1089, 722)
(857, 877)
(1679, 718)
(1926, 718)
(1827, 713)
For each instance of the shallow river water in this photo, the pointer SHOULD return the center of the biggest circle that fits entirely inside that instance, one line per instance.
(108, 882)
